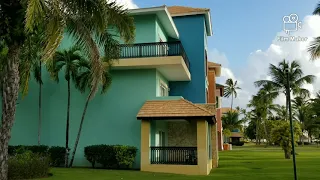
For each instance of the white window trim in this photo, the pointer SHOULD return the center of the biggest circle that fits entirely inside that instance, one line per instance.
(163, 84)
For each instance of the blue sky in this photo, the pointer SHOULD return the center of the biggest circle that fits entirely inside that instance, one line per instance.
(242, 26)
(245, 38)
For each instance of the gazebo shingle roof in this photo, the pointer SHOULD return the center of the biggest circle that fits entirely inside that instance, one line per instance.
(172, 108)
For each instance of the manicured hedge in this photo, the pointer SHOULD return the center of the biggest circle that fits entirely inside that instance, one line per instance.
(240, 143)
(28, 165)
(111, 156)
(55, 153)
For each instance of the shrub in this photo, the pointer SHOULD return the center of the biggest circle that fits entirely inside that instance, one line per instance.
(111, 156)
(20, 149)
(125, 156)
(28, 165)
(281, 134)
(57, 156)
(55, 153)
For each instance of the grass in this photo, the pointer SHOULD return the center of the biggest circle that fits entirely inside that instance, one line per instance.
(242, 163)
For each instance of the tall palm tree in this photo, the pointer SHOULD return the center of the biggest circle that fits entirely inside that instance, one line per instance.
(301, 109)
(83, 80)
(30, 62)
(314, 48)
(279, 79)
(68, 61)
(86, 21)
(255, 119)
(231, 89)
(263, 105)
(12, 36)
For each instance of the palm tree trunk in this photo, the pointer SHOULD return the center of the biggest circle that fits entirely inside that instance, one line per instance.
(40, 108)
(287, 107)
(266, 133)
(231, 101)
(257, 132)
(10, 91)
(67, 126)
(80, 128)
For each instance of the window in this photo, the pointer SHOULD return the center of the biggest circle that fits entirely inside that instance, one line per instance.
(163, 89)
(162, 140)
(217, 102)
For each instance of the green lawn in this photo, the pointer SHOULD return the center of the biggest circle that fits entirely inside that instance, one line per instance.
(242, 163)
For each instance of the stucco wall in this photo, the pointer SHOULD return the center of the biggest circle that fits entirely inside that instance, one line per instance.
(191, 31)
(160, 32)
(182, 133)
(145, 28)
(160, 78)
(110, 119)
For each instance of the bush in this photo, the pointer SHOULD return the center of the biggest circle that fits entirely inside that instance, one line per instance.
(111, 156)
(20, 149)
(55, 153)
(57, 156)
(28, 165)
(240, 143)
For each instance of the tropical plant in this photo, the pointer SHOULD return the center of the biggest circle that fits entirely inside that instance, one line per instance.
(12, 37)
(83, 83)
(314, 48)
(231, 121)
(231, 90)
(301, 112)
(68, 61)
(281, 134)
(263, 105)
(255, 121)
(279, 79)
(86, 21)
(281, 112)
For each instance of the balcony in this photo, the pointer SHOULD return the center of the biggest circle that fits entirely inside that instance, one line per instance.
(169, 58)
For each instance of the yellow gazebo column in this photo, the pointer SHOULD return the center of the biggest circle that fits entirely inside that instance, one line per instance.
(214, 145)
(202, 147)
(145, 145)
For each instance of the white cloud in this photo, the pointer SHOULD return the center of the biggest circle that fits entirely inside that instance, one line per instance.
(257, 64)
(127, 4)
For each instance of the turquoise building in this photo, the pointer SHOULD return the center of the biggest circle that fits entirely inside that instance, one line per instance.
(166, 63)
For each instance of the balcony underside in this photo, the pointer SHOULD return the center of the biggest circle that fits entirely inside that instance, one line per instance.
(173, 68)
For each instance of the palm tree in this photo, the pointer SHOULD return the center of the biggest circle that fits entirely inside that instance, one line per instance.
(12, 36)
(279, 79)
(231, 90)
(83, 80)
(69, 61)
(86, 21)
(30, 62)
(263, 103)
(255, 119)
(231, 121)
(314, 48)
(301, 110)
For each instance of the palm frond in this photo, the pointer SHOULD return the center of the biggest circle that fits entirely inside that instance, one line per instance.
(317, 10)
(314, 48)
(35, 14)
